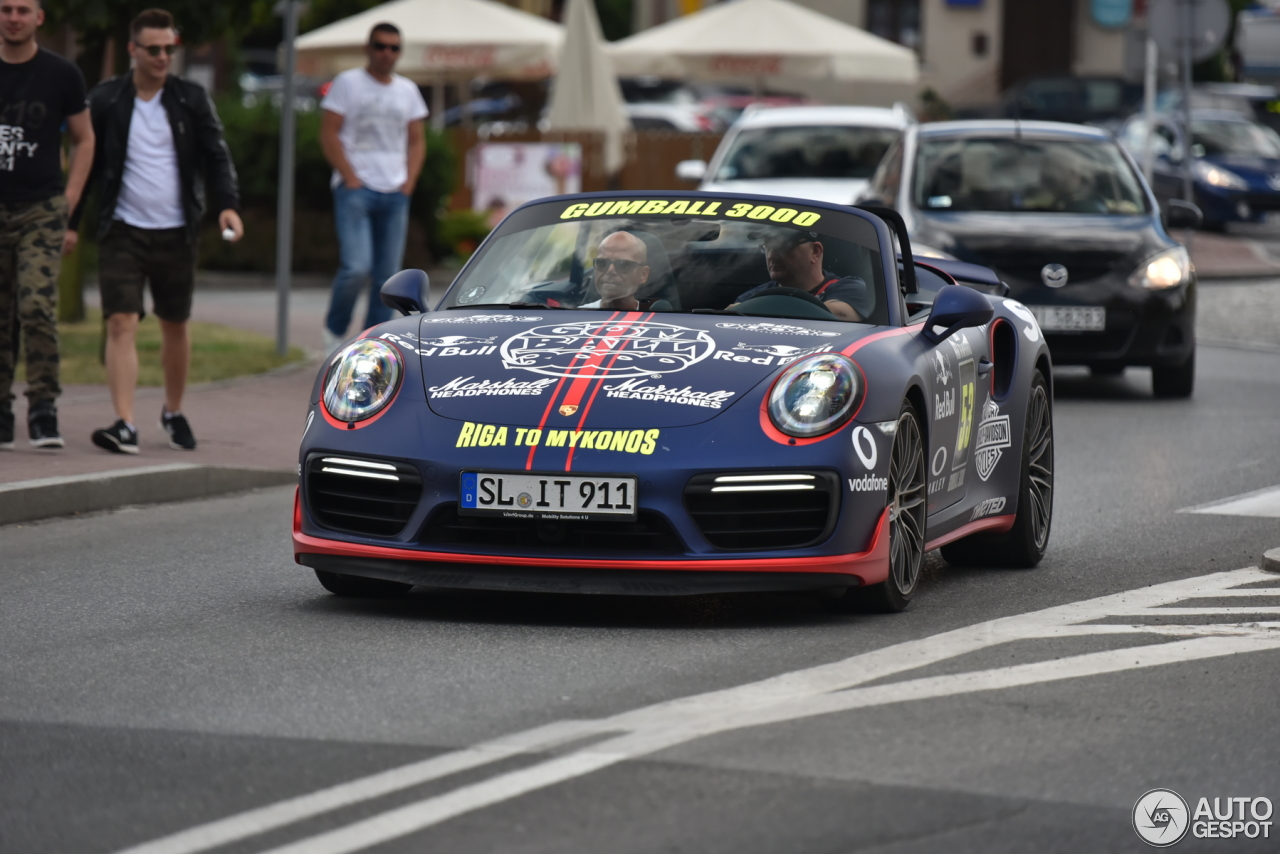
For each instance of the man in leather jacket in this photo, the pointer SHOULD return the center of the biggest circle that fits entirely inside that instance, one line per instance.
(160, 155)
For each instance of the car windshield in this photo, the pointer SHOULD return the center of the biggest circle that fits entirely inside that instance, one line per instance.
(1227, 137)
(703, 255)
(806, 152)
(1025, 175)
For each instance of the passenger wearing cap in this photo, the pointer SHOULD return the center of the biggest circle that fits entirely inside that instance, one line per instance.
(795, 261)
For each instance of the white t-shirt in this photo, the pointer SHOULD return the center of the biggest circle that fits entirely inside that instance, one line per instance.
(375, 126)
(150, 190)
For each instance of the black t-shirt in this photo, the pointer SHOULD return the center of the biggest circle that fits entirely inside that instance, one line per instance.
(35, 99)
(850, 290)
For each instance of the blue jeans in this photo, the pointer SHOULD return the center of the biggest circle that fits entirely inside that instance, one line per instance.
(371, 233)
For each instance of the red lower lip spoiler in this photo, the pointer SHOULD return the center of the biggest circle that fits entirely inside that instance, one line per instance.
(869, 567)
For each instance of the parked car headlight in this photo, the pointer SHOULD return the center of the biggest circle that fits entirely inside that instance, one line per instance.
(362, 379)
(1168, 269)
(1216, 176)
(816, 395)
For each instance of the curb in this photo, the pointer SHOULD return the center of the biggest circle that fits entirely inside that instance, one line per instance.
(1271, 561)
(1242, 275)
(1232, 344)
(29, 500)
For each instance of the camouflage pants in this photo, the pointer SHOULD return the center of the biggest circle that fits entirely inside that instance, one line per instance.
(30, 256)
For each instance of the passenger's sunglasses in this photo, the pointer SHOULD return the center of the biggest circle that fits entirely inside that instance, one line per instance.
(785, 245)
(394, 48)
(154, 49)
(626, 268)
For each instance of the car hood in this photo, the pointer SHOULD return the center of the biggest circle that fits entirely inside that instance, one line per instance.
(653, 370)
(1019, 245)
(838, 191)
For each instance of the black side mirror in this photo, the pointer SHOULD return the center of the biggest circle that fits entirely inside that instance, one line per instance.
(956, 307)
(1180, 214)
(407, 291)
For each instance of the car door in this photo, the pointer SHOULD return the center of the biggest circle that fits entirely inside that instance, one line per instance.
(953, 379)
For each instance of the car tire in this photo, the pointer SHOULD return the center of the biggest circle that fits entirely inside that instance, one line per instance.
(1176, 380)
(1022, 546)
(359, 586)
(906, 501)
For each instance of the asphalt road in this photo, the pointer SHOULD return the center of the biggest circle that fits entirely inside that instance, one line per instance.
(171, 677)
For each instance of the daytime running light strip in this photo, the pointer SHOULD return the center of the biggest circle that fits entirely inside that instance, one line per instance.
(756, 478)
(780, 487)
(371, 474)
(343, 461)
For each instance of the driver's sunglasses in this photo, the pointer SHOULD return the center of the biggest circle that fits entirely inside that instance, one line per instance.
(784, 246)
(154, 49)
(625, 268)
(394, 48)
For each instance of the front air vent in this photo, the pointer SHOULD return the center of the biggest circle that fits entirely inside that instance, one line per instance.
(764, 510)
(361, 495)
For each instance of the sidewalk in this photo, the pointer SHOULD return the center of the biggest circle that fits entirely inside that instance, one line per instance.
(248, 429)
(1223, 256)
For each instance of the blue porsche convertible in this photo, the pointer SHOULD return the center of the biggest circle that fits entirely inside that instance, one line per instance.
(667, 394)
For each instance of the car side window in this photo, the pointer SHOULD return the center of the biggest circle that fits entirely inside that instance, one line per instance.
(1166, 144)
(888, 177)
(1163, 141)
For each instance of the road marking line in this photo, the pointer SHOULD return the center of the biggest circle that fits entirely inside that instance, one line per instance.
(415, 817)
(800, 694)
(1262, 502)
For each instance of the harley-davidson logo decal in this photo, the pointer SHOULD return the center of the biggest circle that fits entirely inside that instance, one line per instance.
(993, 437)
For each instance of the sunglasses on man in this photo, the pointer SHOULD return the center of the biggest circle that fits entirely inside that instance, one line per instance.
(154, 49)
(394, 48)
(624, 267)
(777, 246)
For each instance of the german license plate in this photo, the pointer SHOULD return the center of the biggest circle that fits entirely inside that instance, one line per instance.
(1070, 318)
(563, 497)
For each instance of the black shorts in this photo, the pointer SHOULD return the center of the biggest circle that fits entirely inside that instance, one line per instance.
(130, 258)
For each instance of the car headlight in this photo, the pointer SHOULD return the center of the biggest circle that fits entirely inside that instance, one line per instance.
(1168, 269)
(362, 379)
(1216, 176)
(816, 395)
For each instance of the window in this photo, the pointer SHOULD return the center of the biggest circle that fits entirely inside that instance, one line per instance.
(895, 20)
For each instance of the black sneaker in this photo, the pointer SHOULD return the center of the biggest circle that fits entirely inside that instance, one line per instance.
(42, 426)
(180, 436)
(119, 438)
(6, 431)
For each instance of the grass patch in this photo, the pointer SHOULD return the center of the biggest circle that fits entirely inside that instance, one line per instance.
(217, 352)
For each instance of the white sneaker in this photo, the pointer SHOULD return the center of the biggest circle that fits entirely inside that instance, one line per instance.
(331, 341)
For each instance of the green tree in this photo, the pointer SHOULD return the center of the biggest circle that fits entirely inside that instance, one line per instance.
(104, 24)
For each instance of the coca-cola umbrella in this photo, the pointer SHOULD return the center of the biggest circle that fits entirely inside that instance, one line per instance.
(763, 38)
(444, 41)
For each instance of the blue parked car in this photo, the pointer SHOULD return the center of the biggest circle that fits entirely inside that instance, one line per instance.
(1235, 164)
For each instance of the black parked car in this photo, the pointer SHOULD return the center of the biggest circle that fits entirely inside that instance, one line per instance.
(1062, 213)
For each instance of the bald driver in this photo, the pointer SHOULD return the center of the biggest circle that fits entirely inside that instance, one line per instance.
(621, 267)
(794, 259)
